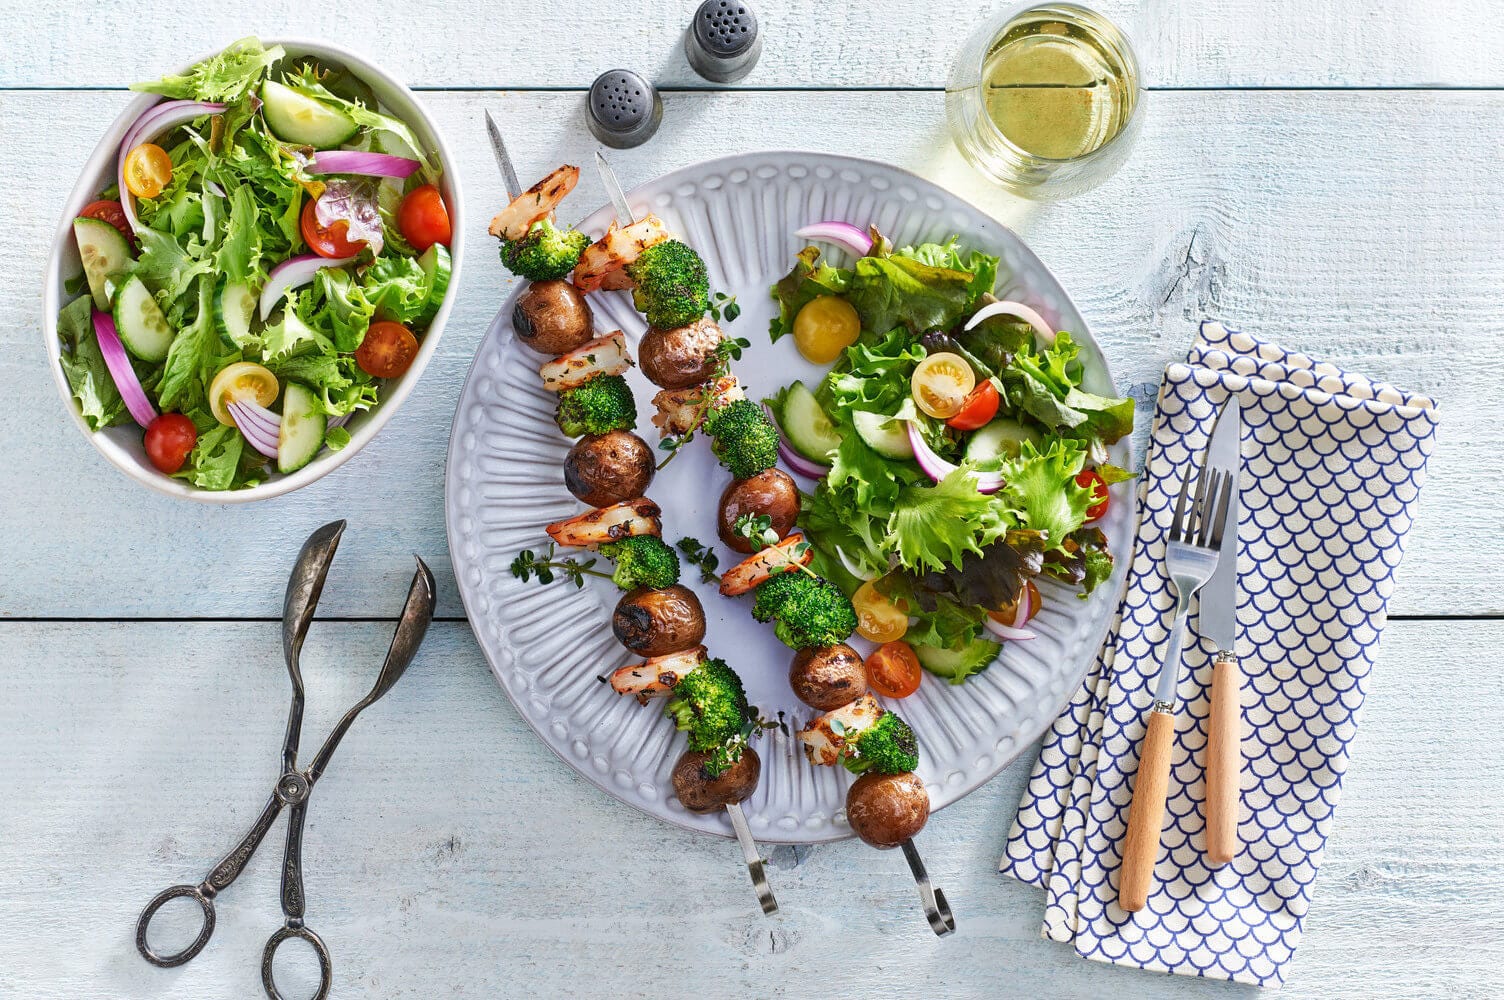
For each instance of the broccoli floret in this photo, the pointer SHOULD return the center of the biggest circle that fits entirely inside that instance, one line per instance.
(746, 441)
(888, 747)
(710, 705)
(643, 561)
(545, 252)
(816, 614)
(774, 592)
(599, 406)
(672, 288)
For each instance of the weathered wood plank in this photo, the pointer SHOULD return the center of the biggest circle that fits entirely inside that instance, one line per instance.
(1216, 43)
(450, 854)
(1362, 227)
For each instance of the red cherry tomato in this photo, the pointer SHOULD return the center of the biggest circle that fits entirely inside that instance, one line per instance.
(328, 241)
(107, 211)
(978, 410)
(387, 351)
(1092, 480)
(893, 670)
(169, 440)
(423, 218)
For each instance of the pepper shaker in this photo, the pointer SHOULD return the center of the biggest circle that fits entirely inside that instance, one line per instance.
(624, 109)
(722, 41)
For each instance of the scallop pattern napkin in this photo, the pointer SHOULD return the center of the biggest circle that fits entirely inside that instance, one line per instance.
(1332, 466)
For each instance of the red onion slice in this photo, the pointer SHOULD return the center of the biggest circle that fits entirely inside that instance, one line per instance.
(252, 427)
(121, 371)
(938, 468)
(798, 464)
(354, 161)
(842, 234)
(152, 123)
(1017, 310)
(294, 272)
(1007, 632)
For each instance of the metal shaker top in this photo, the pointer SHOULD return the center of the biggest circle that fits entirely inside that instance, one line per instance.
(624, 109)
(723, 42)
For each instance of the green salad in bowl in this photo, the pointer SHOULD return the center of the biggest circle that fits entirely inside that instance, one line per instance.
(263, 263)
(955, 451)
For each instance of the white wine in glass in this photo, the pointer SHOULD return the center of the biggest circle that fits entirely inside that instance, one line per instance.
(1044, 99)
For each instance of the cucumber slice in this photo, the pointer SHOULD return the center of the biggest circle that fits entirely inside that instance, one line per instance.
(105, 255)
(437, 267)
(955, 665)
(303, 427)
(807, 427)
(303, 120)
(999, 440)
(139, 321)
(886, 435)
(234, 306)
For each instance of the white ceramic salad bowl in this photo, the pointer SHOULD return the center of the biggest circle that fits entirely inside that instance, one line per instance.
(122, 445)
(547, 645)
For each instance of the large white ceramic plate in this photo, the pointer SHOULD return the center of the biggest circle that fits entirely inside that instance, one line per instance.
(548, 644)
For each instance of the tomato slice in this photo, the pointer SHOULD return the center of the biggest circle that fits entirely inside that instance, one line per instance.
(148, 170)
(1092, 480)
(169, 440)
(878, 618)
(108, 211)
(978, 410)
(387, 350)
(1008, 613)
(327, 241)
(941, 384)
(893, 670)
(423, 218)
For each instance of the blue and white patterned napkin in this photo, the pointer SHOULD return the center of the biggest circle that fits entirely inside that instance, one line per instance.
(1332, 466)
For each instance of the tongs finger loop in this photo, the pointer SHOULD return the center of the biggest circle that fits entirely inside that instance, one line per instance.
(936, 909)
(753, 858)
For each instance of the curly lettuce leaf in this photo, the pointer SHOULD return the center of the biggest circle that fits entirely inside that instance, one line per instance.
(345, 313)
(194, 357)
(1041, 488)
(227, 76)
(872, 376)
(88, 377)
(215, 462)
(1082, 561)
(238, 257)
(809, 279)
(396, 287)
(933, 527)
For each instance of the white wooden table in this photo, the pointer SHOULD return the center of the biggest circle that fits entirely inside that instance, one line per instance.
(1324, 172)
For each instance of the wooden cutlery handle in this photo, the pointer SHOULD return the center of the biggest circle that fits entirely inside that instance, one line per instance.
(1224, 761)
(1146, 815)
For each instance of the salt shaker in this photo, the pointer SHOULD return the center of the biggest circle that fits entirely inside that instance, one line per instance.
(722, 42)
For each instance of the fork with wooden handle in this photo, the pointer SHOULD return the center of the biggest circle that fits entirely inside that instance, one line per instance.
(1191, 556)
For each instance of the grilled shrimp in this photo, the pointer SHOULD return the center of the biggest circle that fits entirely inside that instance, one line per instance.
(679, 410)
(823, 744)
(535, 204)
(656, 676)
(607, 355)
(602, 263)
(608, 524)
(759, 566)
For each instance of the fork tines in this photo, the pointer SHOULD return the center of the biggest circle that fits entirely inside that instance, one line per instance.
(1203, 523)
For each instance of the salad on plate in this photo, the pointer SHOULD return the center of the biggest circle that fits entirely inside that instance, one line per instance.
(271, 252)
(954, 450)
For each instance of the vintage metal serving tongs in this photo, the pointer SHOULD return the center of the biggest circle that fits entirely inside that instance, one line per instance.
(295, 785)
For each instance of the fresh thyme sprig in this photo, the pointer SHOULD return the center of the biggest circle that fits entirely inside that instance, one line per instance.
(723, 305)
(758, 530)
(702, 557)
(529, 564)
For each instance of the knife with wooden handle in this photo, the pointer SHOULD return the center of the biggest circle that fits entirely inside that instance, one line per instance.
(1218, 622)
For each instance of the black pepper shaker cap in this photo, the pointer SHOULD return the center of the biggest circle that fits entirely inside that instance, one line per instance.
(624, 109)
(722, 42)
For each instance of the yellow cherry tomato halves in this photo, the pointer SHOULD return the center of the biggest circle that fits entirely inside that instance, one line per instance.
(941, 384)
(148, 170)
(878, 618)
(241, 380)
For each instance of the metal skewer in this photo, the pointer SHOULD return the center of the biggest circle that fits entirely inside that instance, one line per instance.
(936, 909)
(508, 172)
(744, 837)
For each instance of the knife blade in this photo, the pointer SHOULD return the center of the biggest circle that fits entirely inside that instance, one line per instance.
(618, 197)
(1219, 595)
(508, 172)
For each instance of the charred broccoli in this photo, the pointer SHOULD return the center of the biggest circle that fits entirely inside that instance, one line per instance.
(810, 611)
(602, 405)
(672, 288)
(710, 705)
(545, 252)
(746, 441)
(642, 561)
(886, 747)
